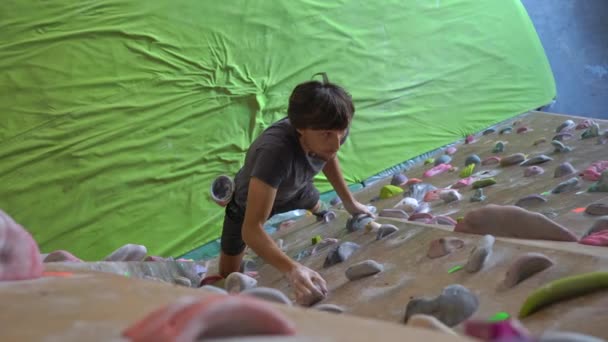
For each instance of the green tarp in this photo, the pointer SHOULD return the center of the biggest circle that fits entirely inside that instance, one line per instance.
(116, 115)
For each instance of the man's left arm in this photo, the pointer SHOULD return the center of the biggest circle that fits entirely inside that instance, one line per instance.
(334, 175)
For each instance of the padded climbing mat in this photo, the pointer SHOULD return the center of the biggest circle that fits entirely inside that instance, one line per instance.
(408, 271)
(93, 306)
(117, 116)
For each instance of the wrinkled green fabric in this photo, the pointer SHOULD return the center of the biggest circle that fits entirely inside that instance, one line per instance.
(115, 116)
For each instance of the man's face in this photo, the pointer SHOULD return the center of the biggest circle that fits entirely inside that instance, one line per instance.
(324, 143)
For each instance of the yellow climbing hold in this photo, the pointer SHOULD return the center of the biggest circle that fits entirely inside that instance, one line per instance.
(429, 161)
(316, 239)
(389, 191)
(467, 171)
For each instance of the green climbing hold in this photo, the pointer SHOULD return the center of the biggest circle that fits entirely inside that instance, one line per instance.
(429, 161)
(389, 191)
(482, 183)
(500, 316)
(455, 269)
(500, 147)
(467, 171)
(316, 239)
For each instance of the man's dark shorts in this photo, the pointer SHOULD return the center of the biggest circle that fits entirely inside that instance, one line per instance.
(232, 238)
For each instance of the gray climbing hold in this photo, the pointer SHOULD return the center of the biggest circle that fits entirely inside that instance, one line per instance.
(567, 186)
(472, 159)
(214, 289)
(444, 220)
(358, 222)
(563, 336)
(335, 201)
(478, 196)
(530, 200)
(128, 252)
(398, 179)
(444, 159)
(183, 281)
(386, 230)
(450, 196)
(455, 305)
(340, 253)
(564, 169)
(237, 282)
(568, 124)
(531, 171)
(480, 254)
(489, 131)
(562, 136)
(597, 209)
(363, 269)
(599, 225)
(536, 160)
(248, 265)
(591, 132)
(443, 246)
(268, 294)
(395, 213)
(560, 147)
(512, 159)
(526, 266)
(499, 147)
(506, 130)
(329, 308)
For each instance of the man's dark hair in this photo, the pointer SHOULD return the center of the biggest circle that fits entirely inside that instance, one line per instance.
(320, 105)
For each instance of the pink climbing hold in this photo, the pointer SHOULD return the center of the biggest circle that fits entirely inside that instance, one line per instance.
(584, 124)
(154, 258)
(61, 256)
(469, 139)
(594, 171)
(463, 183)
(20, 257)
(432, 195)
(421, 217)
(491, 161)
(413, 181)
(523, 129)
(212, 316)
(507, 330)
(596, 239)
(439, 169)
(450, 150)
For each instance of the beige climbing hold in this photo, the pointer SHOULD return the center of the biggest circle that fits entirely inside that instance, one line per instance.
(329, 308)
(183, 281)
(443, 246)
(430, 323)
(480, 254)
(237, 282)
(526, 266)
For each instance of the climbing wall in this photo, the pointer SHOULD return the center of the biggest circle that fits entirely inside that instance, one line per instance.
(409, 273)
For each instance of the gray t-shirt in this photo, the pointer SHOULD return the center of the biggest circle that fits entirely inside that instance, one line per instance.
(277, 158)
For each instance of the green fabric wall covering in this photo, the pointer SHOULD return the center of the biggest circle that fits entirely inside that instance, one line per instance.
(116, 115)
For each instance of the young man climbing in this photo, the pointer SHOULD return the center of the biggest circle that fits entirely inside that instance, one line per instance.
(278, 177)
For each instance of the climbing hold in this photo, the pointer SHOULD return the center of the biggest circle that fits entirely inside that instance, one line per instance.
(450, 195)
(395, 213)
(467, 171)
(437, 170)
(386, 230)
(584, 124)
(478, 196)
(358, 222)
(444, 159)
(480, 254)
(566, 125)
(567, 186)
(491, 161)
(503, 330)
(450, 150)
(472, 159)
(408, 204)
(536, 160)
(128, 252)
(430, 323)
(530, 200)
(183, 281)
(61, 256)
(489, 131)
(429, 161)
(539, 141)
(455, 305)
(596, 239)
(335, 201)
(215, 289)
(326, 216)
(340, 253)
(563, 136)
(564, 169)
(563, 336)
(363, 269)
(597, 209)
(413, 181)
(323, 244)
(594, 171)
(599, 225)
(20, 257)
(420, 216)
(238, 282)
(329, 308)
(399, 179)
(316, 239)
(196, 318)
(389, 191)
(268, 294)
(506, 130)
(469, 139)
(602, 184)
(444, 220)
(512, 221)
(443, 246)
(512, 159)
(603, 138)
(485, 174)
(523, 129)
(462, 183)
(533, 171)
(560, 147)
(526, 266)
(562, 289)
(482, 183)
(591, 132)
